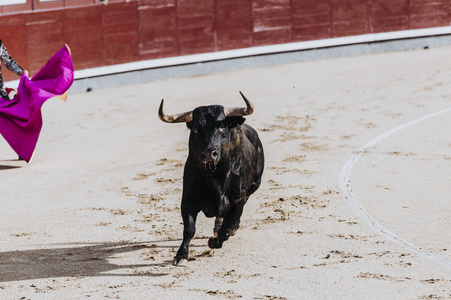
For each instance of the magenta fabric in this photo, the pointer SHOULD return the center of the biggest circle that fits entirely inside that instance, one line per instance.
(21, 118)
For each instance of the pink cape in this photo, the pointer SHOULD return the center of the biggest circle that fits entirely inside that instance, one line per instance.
(20, 118)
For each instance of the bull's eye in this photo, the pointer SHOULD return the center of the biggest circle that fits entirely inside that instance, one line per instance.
(194, 130)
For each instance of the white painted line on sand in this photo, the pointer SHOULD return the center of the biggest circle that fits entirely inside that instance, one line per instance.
(360, 210)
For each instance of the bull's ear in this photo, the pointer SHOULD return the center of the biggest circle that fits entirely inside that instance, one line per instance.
(235, 121)
(189, 124)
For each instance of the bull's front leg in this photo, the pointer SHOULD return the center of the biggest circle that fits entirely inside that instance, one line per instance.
(218, 224)
(189, 215)
(230, 225)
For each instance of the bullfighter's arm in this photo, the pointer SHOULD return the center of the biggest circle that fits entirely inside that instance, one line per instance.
(9, 62)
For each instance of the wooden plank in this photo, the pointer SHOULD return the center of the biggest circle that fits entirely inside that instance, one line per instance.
(271, 22)
(311, 19)
(120, 32)
(158, 36)
(234, 26)
(84, 34)
(45, 35)
(388, 15)
(195, 22)
(424, 14)
(349, 17)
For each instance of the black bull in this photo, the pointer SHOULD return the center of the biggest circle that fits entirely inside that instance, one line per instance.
(224, 167)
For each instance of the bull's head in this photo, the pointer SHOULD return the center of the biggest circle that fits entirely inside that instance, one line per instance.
(210, 129)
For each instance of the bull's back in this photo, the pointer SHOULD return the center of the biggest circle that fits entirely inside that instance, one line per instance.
(257, 158)
(251, 135)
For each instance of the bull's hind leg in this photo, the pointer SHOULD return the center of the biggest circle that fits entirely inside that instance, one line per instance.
(229, 226)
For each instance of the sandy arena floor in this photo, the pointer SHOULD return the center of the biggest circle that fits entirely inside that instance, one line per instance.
(96, 215)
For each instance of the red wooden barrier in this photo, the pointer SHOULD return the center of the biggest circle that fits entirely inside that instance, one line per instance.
(125, 31)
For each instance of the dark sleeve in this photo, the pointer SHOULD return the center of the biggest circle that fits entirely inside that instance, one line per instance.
(9, 62)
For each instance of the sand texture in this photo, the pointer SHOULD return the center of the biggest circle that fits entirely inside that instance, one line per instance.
(96, 215)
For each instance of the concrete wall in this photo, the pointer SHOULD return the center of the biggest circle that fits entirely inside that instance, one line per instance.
(126, 31)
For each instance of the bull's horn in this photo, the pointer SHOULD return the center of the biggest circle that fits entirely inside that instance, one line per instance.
(240, 111)
(178, 118)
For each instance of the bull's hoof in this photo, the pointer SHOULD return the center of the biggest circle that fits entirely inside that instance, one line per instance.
(214, 243)
(180, 262)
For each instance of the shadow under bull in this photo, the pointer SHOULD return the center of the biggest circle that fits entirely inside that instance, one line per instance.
(92, 260)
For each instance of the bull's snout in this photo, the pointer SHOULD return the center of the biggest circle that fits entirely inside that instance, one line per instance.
(210, 156)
